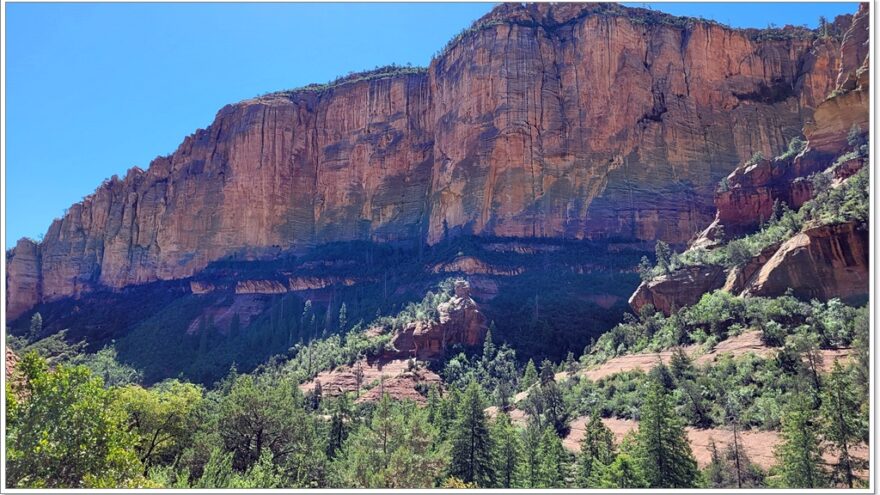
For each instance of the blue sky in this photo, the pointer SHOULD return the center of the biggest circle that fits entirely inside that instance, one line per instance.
(94, 89)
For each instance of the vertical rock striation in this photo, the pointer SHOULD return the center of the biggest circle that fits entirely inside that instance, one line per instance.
(564, 120)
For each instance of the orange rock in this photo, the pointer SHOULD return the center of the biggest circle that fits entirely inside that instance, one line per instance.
(821, 262)
(552, 120)
(678, 289)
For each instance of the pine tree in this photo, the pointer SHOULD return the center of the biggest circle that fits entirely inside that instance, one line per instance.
(36, 327)
(488, 345)
(665, 457)
(531, 450)
(623, 472)
(340, 421)
(841, 425)
(548, 372)
(553, 463)
(664, 256)
(471, 443)
(715, 471)
(508, 452)
(800, 453)
(343, 317)
(530, 376)
(597, 449)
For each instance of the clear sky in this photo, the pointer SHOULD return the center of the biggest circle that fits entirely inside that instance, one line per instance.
(94, 89)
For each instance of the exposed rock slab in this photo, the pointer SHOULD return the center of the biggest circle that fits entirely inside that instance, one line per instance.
(675, 290)
(821, 262)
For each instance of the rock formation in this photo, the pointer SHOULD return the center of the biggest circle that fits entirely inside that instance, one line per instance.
(460, 322)
(821, 262)
(678, 289)
(542, 120)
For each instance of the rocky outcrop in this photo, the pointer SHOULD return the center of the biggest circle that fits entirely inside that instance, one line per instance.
(739, 276)
(399, 379)
(460, 322)
(544, 120)
(749, 192)
(680, 288)
(821, 262)
(471, 265)
(10, 363)
(260, 287)
(23, 285)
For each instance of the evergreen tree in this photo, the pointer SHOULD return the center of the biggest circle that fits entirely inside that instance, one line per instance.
(343, 317)
(530, 376)
(508, 452)
(841, 423)
(532, 454)
(597, 449)
(715, 471)
(548, 372)
(553, 464)
(665, 457)
(623, 472)
(471, 443)
(800, 453)
(664, 256)
(340, 424)
(488, 345)
(36, 327)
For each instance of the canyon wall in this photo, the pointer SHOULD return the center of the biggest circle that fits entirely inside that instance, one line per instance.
(566, 120)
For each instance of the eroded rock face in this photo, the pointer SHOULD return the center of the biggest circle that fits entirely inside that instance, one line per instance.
(23, 287)
(673, 291)
(563, 120)
(822, 262)
(752, 188)
(460, 322)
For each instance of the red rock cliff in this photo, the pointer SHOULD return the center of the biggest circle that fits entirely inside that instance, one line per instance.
(563, 120)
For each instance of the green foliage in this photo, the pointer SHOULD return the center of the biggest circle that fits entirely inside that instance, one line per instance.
(800, 452)
(259, 414)
(721, 315)
(843, 423)
(507, 453)
(471, 443)
(397, 448)
(162, 417)
(554, 461)
(795, 146)
(597, 451)
(66, 431)
(622, 473)
(530, 376)
(105, 365)
(547, 405)
(664, 454)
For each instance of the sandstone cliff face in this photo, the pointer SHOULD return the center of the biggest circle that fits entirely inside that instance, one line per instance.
(753, 188)
(822, 262)
(547, 120)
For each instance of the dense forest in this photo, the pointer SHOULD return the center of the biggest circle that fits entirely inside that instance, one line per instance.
(84, 420)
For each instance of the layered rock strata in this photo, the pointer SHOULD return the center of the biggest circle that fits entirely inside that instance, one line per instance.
(548, 120)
